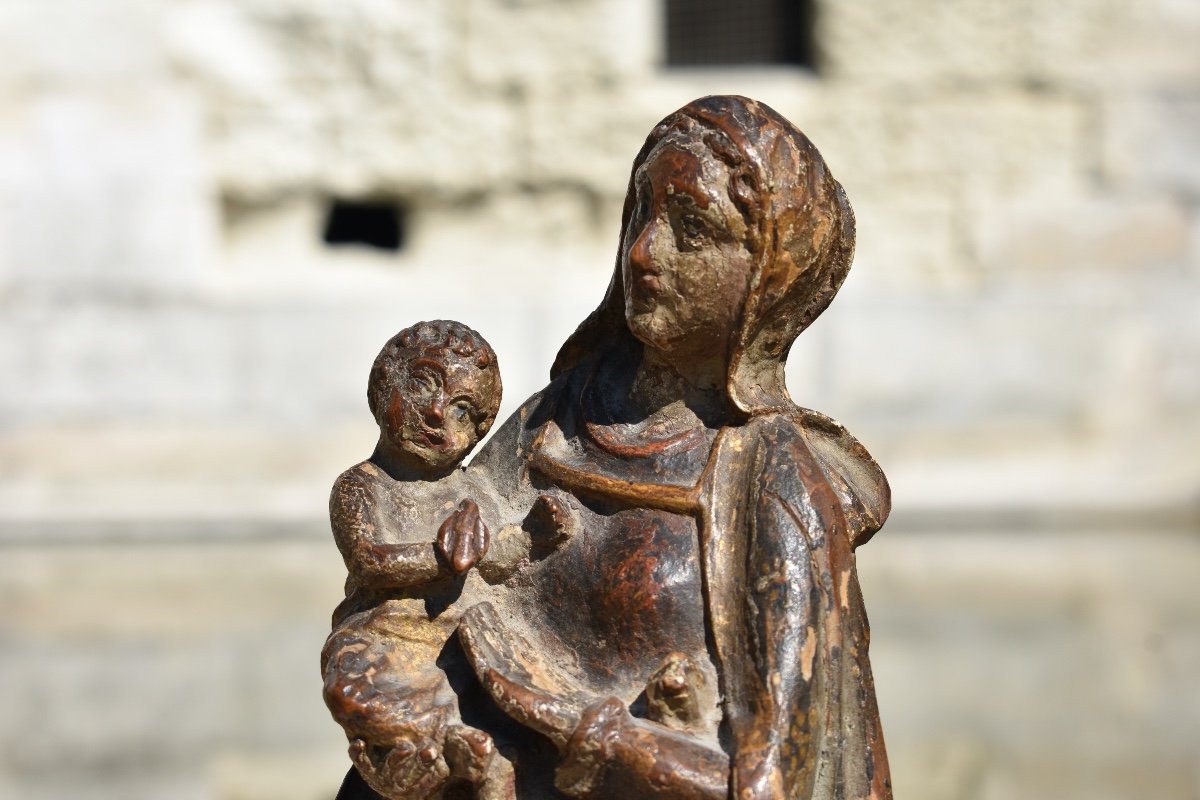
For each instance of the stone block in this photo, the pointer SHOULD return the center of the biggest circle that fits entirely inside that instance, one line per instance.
(582, 136)
(1061, 237)
(980, 629)
(354, 104)
(216, 46)
(1153, 142)
(910, 242)
(414, 148)
(526, 45)
(1145, 45)
(305, 363)
(99, 362)
(965, 43)
(990, 141)
(108, 197)
(145, 667)
(258, 157)
(945, 142)
(76, 43)
(427, 147)
(571, 230)
(17, 361)
(976, 43)
(1171, 351)
(920, 378)
(313, 41)
(270, 774)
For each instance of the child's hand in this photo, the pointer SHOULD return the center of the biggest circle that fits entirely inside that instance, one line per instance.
(407, 769)
(463, 538)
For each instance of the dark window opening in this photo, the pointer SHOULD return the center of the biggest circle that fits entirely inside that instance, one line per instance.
(374, 224)
(703, 33)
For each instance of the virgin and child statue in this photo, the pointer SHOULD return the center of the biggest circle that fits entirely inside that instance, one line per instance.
(643, 585)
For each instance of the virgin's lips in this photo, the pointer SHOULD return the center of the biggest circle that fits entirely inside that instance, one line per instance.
(650, 282)
(647, 279)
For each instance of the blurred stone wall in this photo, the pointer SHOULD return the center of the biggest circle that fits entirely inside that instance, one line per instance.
(183, 360)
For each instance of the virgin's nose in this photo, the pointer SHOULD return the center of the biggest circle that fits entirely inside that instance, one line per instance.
(639, 251)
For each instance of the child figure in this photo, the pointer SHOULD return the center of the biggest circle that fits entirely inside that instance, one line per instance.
(434, 390)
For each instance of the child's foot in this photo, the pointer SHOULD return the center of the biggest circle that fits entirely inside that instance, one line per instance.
(405, 770)
(472, 757)
(673, 692)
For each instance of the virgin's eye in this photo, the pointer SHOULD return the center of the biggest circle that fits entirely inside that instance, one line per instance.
(641, 208)
(693, 227)
(460, 410)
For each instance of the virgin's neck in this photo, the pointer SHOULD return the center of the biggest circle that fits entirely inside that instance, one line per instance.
(660, 386)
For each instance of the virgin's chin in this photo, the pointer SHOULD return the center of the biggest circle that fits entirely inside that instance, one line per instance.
(663, 335)
(649, 329)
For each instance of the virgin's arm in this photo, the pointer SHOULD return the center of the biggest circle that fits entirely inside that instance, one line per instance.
(779, 678)
(375, 564)
(501, 463)
(607, 752)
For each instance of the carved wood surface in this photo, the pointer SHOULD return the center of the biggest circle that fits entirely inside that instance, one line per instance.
(644, 585)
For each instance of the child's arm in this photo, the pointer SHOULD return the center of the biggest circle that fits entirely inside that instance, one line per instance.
(375, 564)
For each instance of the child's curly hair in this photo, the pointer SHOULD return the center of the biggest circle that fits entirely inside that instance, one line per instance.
(458, 343)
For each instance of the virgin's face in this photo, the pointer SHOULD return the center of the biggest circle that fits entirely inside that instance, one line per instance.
(685, 260)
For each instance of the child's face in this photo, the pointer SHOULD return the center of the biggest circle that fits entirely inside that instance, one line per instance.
(433, 413)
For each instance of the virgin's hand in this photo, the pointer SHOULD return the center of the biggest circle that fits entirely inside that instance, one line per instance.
(463, 538)
(612, 754)
(550, 521)
(756, 777)
(586, 753)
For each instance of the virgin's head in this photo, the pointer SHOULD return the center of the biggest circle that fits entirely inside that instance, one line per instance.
(687, 252)
(734, 238)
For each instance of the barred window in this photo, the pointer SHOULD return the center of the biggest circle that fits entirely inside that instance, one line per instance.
(721, 32)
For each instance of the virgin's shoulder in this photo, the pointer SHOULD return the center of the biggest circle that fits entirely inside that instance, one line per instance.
(500, 464)
(516, 434)
(853, 473)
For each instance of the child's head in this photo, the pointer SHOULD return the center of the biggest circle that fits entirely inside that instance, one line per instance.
(434, 390)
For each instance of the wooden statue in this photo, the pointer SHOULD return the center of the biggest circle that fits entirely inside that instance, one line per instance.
(643, 586)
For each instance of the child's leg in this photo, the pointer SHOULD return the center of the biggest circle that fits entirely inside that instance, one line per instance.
(393, 702)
